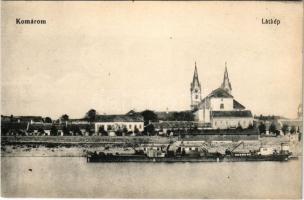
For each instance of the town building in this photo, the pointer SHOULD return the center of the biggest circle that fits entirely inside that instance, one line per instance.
(111, 123)
(23, 119)
(219, 109)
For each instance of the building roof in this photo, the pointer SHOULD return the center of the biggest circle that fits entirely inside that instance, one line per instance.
(243, 113)
(119, 118)
(237, 105)
(186, 115)
(221, 93)
(22, 118)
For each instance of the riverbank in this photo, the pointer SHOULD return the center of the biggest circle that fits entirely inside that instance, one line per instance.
(33, 146)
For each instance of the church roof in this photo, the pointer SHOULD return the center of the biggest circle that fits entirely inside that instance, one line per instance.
(237, 105)
(243, 113)
(220, 92)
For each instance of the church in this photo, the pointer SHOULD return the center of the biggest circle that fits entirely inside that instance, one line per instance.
(219, 109)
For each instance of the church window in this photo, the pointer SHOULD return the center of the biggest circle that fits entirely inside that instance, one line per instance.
(222, 106)
(196, 96)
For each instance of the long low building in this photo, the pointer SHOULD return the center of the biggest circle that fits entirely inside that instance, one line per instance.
(131, 122)
(231, 119)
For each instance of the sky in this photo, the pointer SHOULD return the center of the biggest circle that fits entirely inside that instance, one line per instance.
(118, 56)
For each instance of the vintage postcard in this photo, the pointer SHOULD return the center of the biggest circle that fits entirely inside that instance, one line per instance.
(152, 99)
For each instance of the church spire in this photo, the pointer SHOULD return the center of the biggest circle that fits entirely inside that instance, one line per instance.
(226, 85)
(195, 81)
(195, 90)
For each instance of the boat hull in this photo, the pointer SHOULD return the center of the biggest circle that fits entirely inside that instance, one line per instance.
(143, 158)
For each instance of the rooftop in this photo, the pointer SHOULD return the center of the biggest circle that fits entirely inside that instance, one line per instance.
(243, 113)
(220, 92)
(119, 118)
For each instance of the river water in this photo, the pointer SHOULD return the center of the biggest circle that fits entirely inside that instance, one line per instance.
(73, 177)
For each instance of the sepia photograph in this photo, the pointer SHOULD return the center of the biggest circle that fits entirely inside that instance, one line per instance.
(151, 99)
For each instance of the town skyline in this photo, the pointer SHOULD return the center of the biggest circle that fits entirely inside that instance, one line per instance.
(114, 64)
(204, 94)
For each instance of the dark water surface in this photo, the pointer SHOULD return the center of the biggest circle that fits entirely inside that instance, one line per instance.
(73, 177)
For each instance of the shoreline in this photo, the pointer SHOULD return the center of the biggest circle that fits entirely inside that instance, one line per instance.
(76, 147)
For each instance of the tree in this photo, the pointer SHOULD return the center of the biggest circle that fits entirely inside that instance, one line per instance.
(136, 131)
(12, 118)
(118, 132)
(64, 117)
(4, 131)
(149, 129)
(182, 116)
(261, 117)
(272, 128)
(48, 120)
(293, 129)
(65, 130)
(262, 128)
(88, 129)
(124, 131)
(149, 115)
(76, 130)
(54, 131)
(285, 128)
(30, 130)
(41, 131)
(91, 115)
(102, 131)
(250, 126)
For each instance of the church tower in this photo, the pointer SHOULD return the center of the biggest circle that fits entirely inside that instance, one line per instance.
(195, 90)
(226, 85)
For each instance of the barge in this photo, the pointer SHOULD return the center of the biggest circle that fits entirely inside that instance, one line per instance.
(157, 154)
